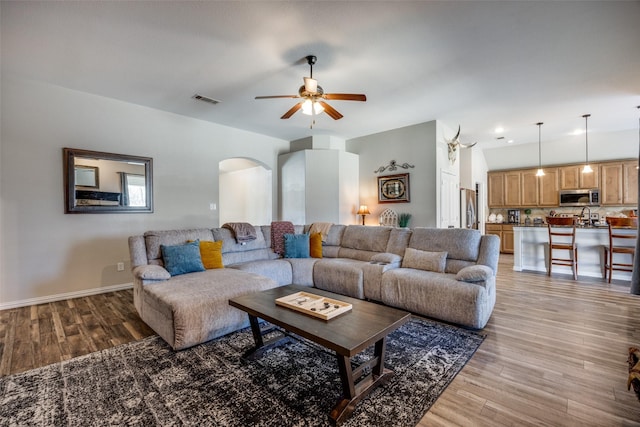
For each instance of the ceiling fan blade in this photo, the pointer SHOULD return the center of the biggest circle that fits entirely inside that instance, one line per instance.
(332, 112)
(345, 96)
(277, 96)
(292, 111)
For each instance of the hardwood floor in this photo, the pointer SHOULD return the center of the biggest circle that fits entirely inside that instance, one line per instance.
(555, 352)
(42, 334)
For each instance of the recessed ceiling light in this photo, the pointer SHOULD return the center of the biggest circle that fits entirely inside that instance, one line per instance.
(510, 141)
(499, 129)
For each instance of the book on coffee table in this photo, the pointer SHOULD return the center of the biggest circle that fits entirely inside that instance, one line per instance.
(314, 305)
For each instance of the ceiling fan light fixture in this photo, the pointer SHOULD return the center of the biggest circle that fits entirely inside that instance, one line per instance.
(310, 85)
(313, 97)
(311, 108)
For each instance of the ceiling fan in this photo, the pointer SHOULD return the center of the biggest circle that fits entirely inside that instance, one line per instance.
(313, 97)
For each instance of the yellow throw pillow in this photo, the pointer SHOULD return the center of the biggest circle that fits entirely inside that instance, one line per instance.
(315, 245)
(211, 254)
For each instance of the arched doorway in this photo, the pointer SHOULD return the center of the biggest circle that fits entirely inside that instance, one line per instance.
(245, 191)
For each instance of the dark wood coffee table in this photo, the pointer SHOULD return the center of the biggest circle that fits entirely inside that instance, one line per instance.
(350, 333)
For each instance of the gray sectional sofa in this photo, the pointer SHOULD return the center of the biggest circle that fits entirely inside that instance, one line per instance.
(447, 274)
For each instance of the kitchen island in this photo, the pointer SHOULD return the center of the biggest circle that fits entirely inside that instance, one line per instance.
(531, 251)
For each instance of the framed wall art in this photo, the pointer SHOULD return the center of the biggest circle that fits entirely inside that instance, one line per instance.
(393, 188)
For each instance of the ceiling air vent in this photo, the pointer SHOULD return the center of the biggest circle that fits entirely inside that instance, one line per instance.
(205, 99)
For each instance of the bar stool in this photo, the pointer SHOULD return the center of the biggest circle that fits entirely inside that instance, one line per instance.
(619, 244)
(562, 237)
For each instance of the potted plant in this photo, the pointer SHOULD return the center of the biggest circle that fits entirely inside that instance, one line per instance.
(527, 220)
(403, 219)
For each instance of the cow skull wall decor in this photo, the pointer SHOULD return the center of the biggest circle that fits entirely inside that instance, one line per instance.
(453, 145)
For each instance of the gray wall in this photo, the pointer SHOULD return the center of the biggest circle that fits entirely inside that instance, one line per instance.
(45, 252)
(415, 145)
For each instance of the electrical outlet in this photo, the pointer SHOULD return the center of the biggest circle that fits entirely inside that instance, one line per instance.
(120, 266)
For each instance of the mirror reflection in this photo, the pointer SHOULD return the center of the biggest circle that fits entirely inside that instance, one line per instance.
(99, 182)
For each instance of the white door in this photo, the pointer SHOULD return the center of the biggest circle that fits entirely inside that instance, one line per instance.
(449, 207)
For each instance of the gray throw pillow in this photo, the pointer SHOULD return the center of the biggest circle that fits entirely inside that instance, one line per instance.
(424, 260)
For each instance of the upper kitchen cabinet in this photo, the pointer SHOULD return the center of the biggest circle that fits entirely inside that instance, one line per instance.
(512, 188)
(548, 188)
(572, 178)
(496, 189)
(539, 190)
(611, 189)
(504, 189)
(630, 183)
(619, 183)
(529, 189)
(522, 188)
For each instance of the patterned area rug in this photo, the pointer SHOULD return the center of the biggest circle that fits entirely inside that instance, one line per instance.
(145, 383)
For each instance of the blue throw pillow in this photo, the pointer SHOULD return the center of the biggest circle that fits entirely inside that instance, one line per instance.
(296, 246)
(182, 259)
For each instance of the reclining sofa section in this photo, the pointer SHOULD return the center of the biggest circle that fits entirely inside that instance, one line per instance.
(384, 264)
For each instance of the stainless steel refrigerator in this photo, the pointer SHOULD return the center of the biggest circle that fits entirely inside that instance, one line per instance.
(468, 209)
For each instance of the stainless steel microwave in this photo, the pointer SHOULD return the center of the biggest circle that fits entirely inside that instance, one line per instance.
(586, 197)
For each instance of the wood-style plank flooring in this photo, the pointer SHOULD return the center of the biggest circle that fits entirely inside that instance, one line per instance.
(555, 352)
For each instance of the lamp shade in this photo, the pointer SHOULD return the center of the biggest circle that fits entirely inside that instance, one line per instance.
(364, 210)
(310, 85)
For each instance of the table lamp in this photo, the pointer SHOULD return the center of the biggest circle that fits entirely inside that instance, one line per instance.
(364, 211)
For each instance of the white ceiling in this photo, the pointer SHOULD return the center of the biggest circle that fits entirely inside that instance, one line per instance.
(478, 64)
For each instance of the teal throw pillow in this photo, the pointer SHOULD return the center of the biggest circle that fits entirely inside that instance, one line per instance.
(182, 259)
(296, 246)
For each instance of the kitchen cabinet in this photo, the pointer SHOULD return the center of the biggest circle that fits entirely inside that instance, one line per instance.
(521, 188)
(504, 189)
(630, 183)
(539, 190)
(529, 189)
(507, 244)
(611, 185)
(496, 189)
(505, 233)
(572, 178)
(512, 190)
(548, 188)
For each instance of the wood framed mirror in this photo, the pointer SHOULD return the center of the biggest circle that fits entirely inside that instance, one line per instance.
(98, 182)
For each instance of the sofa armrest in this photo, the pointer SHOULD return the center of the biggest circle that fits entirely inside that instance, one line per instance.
(151, 272)
(489, 251)
(138, 251)
(475, 273)
(386, 258)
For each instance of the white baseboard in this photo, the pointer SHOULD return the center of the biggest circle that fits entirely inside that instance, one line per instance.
(67, 295)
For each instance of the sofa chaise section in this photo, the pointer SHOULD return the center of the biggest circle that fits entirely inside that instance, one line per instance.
(200, 310)
(188, 309)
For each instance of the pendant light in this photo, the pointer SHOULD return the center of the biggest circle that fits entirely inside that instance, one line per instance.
(587, 167)
(540, 171)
